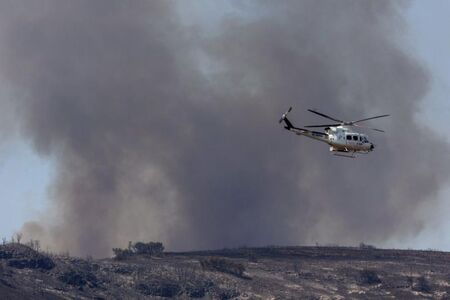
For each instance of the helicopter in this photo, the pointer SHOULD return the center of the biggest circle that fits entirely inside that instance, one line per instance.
(343, 140)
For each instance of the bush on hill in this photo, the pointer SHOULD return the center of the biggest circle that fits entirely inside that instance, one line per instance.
(139, 248)
(367, 276)
(223, 265)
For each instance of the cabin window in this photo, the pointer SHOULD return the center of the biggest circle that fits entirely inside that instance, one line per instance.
(355, 137)
(360, 138)
(349, 137)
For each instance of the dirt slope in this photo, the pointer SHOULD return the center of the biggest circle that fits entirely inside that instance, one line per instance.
(245, 273)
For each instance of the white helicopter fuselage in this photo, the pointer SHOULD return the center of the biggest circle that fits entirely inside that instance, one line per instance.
(340, 139)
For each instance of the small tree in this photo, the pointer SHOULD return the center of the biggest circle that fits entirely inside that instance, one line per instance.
(139, 248)
(37, 245)
(18, 237)
(150, 248)
(4, 241)
(34, 244)
(121, 254)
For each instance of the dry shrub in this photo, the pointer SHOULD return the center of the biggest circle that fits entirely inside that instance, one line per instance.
(139, 248)
(422, 285)
(223, 265)
(367, 276)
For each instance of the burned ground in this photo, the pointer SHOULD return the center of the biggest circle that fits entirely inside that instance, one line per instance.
(269, 272)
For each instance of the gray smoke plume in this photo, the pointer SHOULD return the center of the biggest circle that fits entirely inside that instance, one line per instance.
(164, 127)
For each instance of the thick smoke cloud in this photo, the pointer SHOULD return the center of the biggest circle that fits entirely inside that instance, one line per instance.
(163, 129)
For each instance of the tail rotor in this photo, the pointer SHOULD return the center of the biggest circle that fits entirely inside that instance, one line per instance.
(283, 117)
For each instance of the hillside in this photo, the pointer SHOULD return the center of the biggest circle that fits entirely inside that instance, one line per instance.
(244, 273)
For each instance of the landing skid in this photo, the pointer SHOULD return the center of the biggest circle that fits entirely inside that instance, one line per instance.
(347, 156)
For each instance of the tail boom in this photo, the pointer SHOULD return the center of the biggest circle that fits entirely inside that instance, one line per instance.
(320, 136)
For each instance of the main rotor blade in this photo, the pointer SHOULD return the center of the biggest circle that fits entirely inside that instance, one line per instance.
(366, 119)
(379, 130)
(325, 125)
(324, 115)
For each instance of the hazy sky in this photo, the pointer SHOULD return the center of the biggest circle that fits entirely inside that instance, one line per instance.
(428, 33)
(25, 176)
